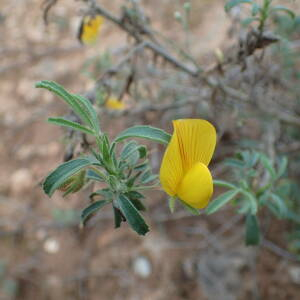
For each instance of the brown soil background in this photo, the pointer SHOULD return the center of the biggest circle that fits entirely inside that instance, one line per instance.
(190, 257)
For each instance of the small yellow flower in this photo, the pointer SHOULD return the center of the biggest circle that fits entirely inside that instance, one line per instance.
(89, 29)
(184, 171)
(114, 103)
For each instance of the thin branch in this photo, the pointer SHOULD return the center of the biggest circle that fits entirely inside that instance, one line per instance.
(156, 48)
(279, 251)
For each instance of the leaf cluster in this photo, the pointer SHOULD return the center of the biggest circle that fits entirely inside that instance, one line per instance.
(261, 11)
(257, 182)
(121, 165)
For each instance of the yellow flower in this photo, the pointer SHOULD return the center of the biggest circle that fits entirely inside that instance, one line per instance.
(184, 171)
(89, 29)
(114, 103)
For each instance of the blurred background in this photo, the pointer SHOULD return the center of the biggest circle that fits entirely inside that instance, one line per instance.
(250, 93)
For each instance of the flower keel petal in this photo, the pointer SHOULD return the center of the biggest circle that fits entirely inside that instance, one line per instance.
(196, 187)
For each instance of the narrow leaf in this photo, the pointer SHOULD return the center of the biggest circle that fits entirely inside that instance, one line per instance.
(283, 9)
(138, 205)
(268, 165)
(119, 218)
(280, 204)
(95, 175)
(225, 184)
(252, 230)
(221, 200)
(91, 209)
(68, 98)
(132, 215)
(87, 105)
(70, 124)
(282, 166)
(57, 177)
(145, 132)
(252, 201)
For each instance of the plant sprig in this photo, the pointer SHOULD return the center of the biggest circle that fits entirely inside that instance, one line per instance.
(125, 174)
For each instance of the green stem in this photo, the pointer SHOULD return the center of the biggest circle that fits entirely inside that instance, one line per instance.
(264, 15)
(148, 187)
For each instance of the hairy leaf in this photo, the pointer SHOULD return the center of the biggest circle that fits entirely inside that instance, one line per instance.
(132, 215)
(221, 200)
(252, 230)
(145, 132)
(57, 177)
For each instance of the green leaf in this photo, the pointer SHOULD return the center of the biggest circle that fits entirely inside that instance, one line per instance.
(142, 151)
(138, 204)
(252, 230)
(232, 3)
(68, 98)
(88, 107)
(268, 165)
(134, 195)
(145, 132)
(76, 183)
(244, 207)
(282, 166)
(70, 124)
(280, 205)
(105, 193)
(81, 106)
(283, 9)
(57, 177)
(130, 182)
(221, 200)
(93, 175)
(91, 209)
(225, 184)
(235, 163)
(148, 177)
(119, 218)
(142, 167)
(132, 215)
(252, 201)
(105, 149)
(189, 208)
(127, 149)
(130, 153)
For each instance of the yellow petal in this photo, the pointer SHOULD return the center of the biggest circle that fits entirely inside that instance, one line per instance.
(114, 103)
(89, 29)
(193, 141)
(171, 170)
(196, 187)
(197, 141)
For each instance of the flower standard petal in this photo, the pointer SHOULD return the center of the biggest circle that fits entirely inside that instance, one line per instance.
(197, 141)
(196, 187)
